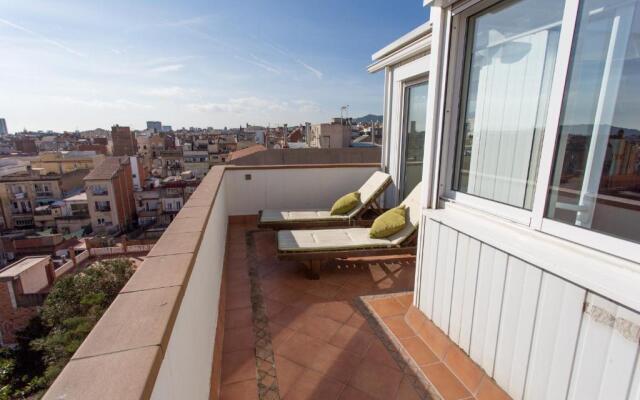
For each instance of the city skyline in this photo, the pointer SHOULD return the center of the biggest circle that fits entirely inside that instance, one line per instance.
(77, 66)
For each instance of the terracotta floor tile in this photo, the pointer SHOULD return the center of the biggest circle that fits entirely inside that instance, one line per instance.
(405, 299)
(406, 391)
(414, 318)
(238, 366)
(301, 349)
(237, 300)
(273, 307)
(352, 339)
(387, 307)
(284, 295)
(445, 382)
(489, 390)
(336, 363)
(279, 334)
(238, 339)
(434, 338)
(358, 321)
(418, 350)
(322, 289)
(377, 353)
(290, 317)
(246, 390)
(340, 311)
(313, 385)
(464, 368)
(351, 393)
(377, 380)
(399, 327)
(238, 318)
(319, 327)
(288, 373)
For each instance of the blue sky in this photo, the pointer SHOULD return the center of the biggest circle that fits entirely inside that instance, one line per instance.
(70, 65)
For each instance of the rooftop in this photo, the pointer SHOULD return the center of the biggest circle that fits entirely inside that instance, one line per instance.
(106, 169)
(15, 269)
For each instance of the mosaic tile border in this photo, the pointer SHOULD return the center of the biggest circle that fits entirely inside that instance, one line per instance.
(267, 380)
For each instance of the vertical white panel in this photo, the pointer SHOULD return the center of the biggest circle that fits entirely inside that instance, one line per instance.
(486, 316)
(444, 277)
(554, 339)
(464, 291)
(606, 353)
(634, 392)
(427, 287)
(516, 326)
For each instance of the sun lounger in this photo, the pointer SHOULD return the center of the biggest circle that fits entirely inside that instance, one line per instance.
(303, 219)
(314, 246)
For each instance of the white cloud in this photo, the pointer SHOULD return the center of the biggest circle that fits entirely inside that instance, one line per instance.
(42, 37)
(313, 70)
(171, 91)
(167, 68)
(241, 105)
(306, 106)
(116, 104)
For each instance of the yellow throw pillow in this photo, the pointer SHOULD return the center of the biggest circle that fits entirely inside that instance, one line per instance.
(345, 203)
(388, 223)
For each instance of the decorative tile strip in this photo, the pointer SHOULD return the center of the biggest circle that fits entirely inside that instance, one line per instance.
(422, 387)
(267, 380)
(626, 328)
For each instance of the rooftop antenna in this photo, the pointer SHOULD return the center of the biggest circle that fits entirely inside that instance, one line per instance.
(344, 110)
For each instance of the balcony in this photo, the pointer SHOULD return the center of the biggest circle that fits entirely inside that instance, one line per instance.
(215, 308)
(41, 194)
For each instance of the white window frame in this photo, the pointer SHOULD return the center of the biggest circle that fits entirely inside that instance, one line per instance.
(534, 218)
(411, 73)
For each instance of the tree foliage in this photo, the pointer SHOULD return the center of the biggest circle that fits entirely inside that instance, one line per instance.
(72, 308)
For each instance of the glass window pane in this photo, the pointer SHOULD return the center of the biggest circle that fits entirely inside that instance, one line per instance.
(510, 58)
(596, 176)
(414, 129)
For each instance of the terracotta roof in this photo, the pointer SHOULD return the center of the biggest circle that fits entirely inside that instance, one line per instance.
(245, 152)
(106, 169)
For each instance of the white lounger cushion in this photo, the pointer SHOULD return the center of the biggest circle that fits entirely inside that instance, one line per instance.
(313, 215)
(350, 238)
(328, 239)
(369, 189)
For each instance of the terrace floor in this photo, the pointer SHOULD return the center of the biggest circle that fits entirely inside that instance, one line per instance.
(289, 337)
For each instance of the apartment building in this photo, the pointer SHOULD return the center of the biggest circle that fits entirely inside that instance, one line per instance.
(62, 162)
(172, 162)
(109, 189)
(196, 161)
(22, 192)
(124, 141)
(334, 135)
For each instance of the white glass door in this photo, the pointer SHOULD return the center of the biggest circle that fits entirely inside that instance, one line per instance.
(414, 123)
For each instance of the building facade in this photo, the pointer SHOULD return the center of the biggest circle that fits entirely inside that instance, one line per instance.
(124, 141)
(335, 135)
(109, 189)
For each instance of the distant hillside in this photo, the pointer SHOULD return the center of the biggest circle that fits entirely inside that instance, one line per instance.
(368, 118)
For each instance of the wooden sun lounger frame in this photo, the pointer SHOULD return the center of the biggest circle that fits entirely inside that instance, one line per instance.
(314, 260)
(356, 220)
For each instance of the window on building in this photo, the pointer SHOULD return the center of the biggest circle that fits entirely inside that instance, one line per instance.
(509, 63)
(595, 183)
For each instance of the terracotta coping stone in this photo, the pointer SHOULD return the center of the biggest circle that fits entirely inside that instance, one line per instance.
(124, 375)
(302, 166)
(134, 320)
(160, 272)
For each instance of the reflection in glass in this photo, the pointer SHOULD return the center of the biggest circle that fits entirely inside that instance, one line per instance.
(510, 60)
(414, 129)
(596, 178)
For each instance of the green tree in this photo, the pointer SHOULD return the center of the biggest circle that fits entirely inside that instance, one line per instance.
(72, 308)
